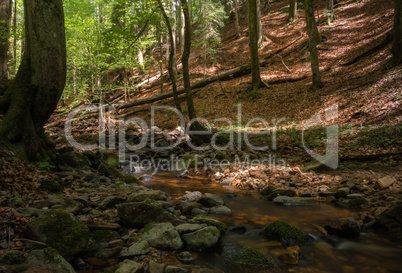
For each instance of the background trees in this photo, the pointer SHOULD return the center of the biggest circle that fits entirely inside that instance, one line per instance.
(397, 44)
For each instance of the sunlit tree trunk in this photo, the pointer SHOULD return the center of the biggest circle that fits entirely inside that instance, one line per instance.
(292, 10)
(330, 10)
(397, 43)
(253, 44)
(236, 6)
(313, 41)
(181, 31)
(259, 25)
(39, 83)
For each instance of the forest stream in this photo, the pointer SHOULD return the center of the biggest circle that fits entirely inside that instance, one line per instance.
(370, 253)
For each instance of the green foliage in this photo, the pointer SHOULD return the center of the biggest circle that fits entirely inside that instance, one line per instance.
(15, 201)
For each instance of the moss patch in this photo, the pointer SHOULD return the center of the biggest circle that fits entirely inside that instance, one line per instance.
(202, 219)
(268, 190)
(251, 256)
(13, 257)
(284, 232)
(277, 193)
(51, 185)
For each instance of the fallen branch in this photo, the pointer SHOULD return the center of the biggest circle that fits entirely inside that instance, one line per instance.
(283, 62)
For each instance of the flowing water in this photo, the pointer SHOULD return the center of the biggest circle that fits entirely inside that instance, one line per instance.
(369, 253)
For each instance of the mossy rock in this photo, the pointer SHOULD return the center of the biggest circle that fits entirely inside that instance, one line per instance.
(391, 221)
(202, 219)
(51, 185)
(269, 189)
(111, 159)
(61, 231)
(13, 257)
(284, 232)
(18, 268)
(254, 257)
(129, 179)
(277, 193)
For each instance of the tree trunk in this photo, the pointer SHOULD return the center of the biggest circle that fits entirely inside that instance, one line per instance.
(160, 44)
(259, 25)
(181, 31)
(397, 44)
(236, 6)
(330, 11)
(5, 15)
(195, 125)
(172, 66)
(15, 38)
(253, 44)
(39, 83)
(313, 41)
(292, 10)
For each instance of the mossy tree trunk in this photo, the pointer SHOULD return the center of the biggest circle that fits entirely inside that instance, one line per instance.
(172, 66)
(292, 10)
(33, 95)
(253, 44)
(397, 44)
(313, 41)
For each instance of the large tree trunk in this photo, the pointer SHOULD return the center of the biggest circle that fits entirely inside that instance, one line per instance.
(5, 16)
(313, 41)
(397, 44)
(292, 10)
(39, 83)
(253, 43)
(172, 67)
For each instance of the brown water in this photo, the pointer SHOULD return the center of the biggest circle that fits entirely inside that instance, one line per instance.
(370, 253)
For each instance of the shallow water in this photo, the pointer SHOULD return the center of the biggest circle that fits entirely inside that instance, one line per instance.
(370, 253)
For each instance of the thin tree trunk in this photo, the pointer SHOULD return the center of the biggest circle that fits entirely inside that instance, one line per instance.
(330, 11)
(15, 37)
(259, 25)
(314, 40)
(5, 15)
(292, 10)
(181, 38)
(172, 67)
(140, 58)
(397, 43)
(39, 83)
(253, 44)
(236, 6)
(160, 56)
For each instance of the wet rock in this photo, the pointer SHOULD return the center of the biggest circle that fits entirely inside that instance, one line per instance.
(245, 259)
(162, 236)
(211, 200)
(222, 210)
(143, 195)
(290, 255)
(49, 227)
(355, 196)
(200, 219)
(284, 232)
(29, 212)
(49, 258)
(341, 193)
(139, 214)
(294, 201)
(73, 159)
(177, 269)
(65, 203)
(185, 257)
(197, 211)
(186, 228)
(188, 207)
(277, 193)
(305, 194)
(192, 196)
(109, 202)
(203, 239)
(129, 266)
(391, 221)
(140, 248)
(344, 227)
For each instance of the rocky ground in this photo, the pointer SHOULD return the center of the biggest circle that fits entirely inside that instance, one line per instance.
(85, 215)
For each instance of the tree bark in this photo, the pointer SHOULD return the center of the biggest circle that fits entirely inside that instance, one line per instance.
(397, 43)
(5, 16)
(292, 10)
(39, 83)
(313, 41)
(259, 25)
(330, 11)
(236, 6)
(172, 67)
(253, 44)
(181, 31)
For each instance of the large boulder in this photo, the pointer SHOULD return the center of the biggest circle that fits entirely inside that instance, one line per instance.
(49, 258)
(60, 230)
(211, 200)
(138, 214)
(139, 248)
(144, 195)
(203, 239)
(162, 236)
(284, 232)
(344, 227)
(391, 221)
